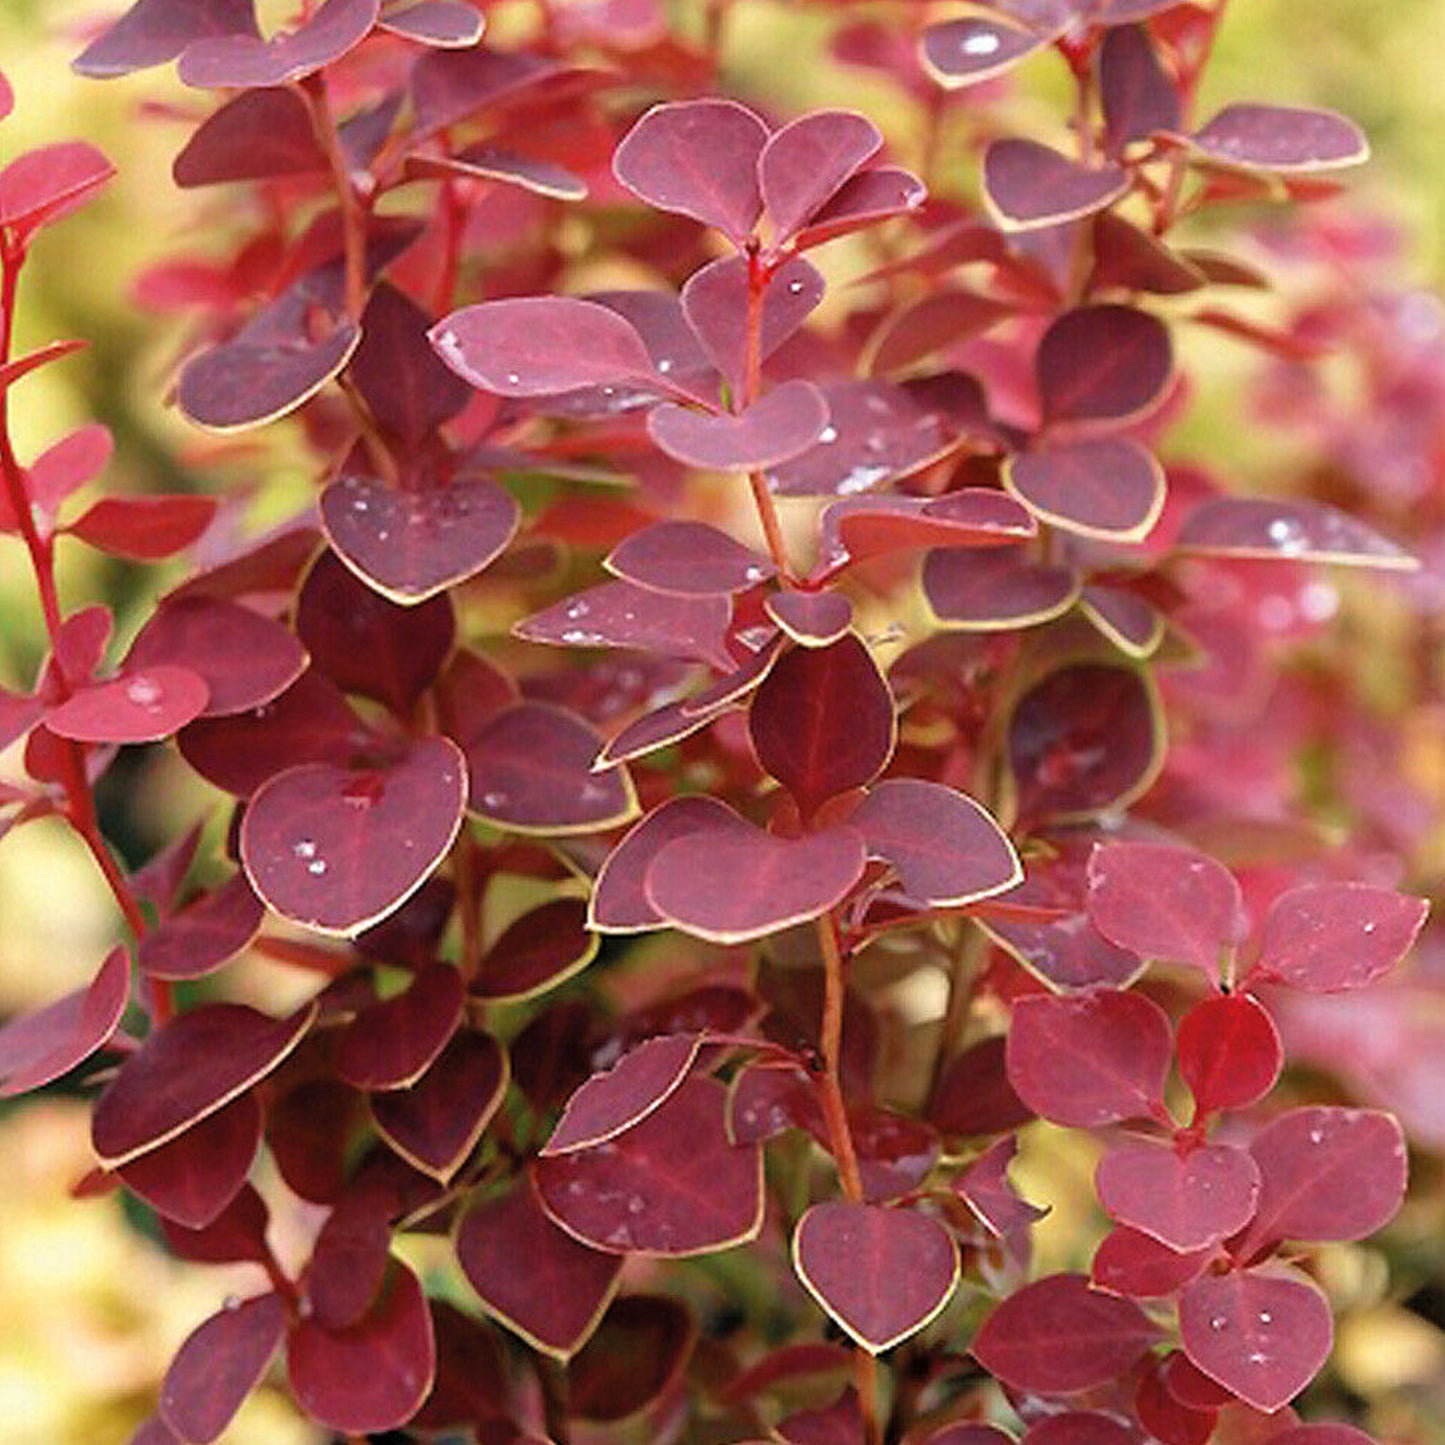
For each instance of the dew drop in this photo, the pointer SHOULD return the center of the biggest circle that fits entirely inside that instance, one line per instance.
(494, 800)
(316, 867)
(1219, 1323)
(305, 849)
(1256, 1357)
(984, 43)
(828, 434)
(576, 610)
(754, 574)
(1369, 928)
(664, 366)
(143, 692)
(1317, 1136)
(361, 505)
(636, 1204)
(304, 1307)
(231, 1302)
(1265, 1317)
(795, 287)
(1286, 536)
(512, 378)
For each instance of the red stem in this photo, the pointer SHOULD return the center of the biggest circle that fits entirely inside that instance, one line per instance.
(353, 215)
(759, 274)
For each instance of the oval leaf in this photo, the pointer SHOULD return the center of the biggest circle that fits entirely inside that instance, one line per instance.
(1229, 1052)
(1281, 138)
(1186, 1202)
(1301, 531)
(1106, 363)
(690, 559)
(143, 706)
(1327, 937)
(805, 163)
(1108, 487)
(785, 423)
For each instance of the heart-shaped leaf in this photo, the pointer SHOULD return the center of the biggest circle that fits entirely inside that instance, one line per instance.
(245, 659)
(1165, 902)
(975, 48)
(1327, 937)
(373, 1375)
(995, 590)
(241, 61)
(538, 1280)
(219, 1365)
(619, 903)
(541, 346)
(1186, 1202)
(411, 545)
(1281, 138)
(337, 850)
(1103, 364)
(1262, 1336)
(671, 1185)
(138, 707)
(823, 721)
(39, 1047)
(777, 881)
(786, 422)
(1027, 185)
(946, 848)
(690, 559)
(436, 1123)
(805, 163)
(1301, 531)
(186, 1071)
(882, 1274)
(1058, 1336)
(1229, 1052)
(536, 952)
(391, 1044)
(531, 771)
(1091, 1058)
(697, 158)
(985, 1187)
(1108, 487)
(613, 1101)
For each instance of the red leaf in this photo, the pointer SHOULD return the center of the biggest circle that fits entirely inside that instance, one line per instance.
(946, 848)
(1263, 1336)
(69, 464)
(244, 659)
(975, 48)
(349, 1259)
(243, 61)
(882, 1274)
(539, 1281)
(994, 591)
(1229, 1052)
(186, 1071)
(1301, 531)
(1186, 1202)
(260, 135)
(451, 24)
(155, 31)
(862, 527)
(1027, 185)
(1326, 1173)
(1165, 902)
(541, 346)
(784, 423)
(435, 1123)
(1109, 487)
(370, 1377)
(1139, 96)
(39, 1047)
(1104, 363)
(806, 162)
(219, 1365)
(622, 1096)
(140, 707)
(639, 1349)
(697, 158)
(1126, 619)
(1134, 1264)
(390, 1045)
(811, 619)
(775, 882)
(1281, 138)
(1089, 1059)
(1079, 1427)
(984, 1186)
(236, 1234)
(536, 952)
(671, 1185)
(869, 197)
(1326, 1434)
(531, 771)
(195, 1176)
(690, 559)
(337, 849)
(1327, 937)
(43, 185)
(974, 1096)
(1058, 1336)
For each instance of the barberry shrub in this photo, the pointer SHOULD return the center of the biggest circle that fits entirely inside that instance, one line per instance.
(743, 731)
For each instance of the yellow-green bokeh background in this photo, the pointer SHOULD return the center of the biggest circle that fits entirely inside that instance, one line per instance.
(89, 1311)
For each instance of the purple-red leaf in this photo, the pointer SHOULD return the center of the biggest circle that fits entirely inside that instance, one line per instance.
(882, 1274)
(536, 952)
(152, 32)
(783, 424)
(207, 933)
(534, 1277)
(984, 1186)
(805, 163)
(391, 1044)
(1262, 1336)
(541, 345)
(39, 1047)
(975, 48)
(1089, 1059)
(1327, 937)
(1229, 1052)
(240, 61)
(42, 185)
(868, 198)
(219, 1365)
(260, 135)
(451, 24)
(690, 559)
(139, 707)
(373, 1375)
(337, 849)
(1139, 96)
(186, 1071)
(1103, 364)
(1134, 1264)
(823, 721)
(1281, 138)
(1184, 1201)
(811, 619)
(975, 517)
(531, 771)
(1058, 1336)
(996, 590)
(698, 158)
(946, 848)
(1027, 185)
(1165, 902)
(1299, 531)
(613, 1101)
(671, 1185)
(1107, 487)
